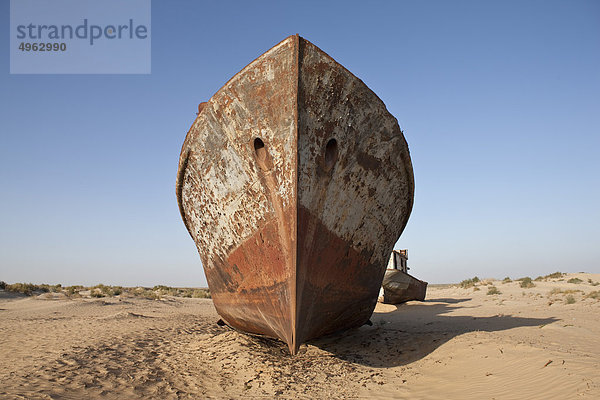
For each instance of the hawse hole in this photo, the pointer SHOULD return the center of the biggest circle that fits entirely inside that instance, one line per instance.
(331, 153)
(259, 149)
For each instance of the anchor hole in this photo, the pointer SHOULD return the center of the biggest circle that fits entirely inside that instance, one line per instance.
(331, 153)
(259, 149)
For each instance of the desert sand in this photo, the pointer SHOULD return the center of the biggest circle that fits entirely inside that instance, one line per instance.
(461, 343)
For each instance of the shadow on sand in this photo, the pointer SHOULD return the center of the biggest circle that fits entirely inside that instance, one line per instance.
(412, 331)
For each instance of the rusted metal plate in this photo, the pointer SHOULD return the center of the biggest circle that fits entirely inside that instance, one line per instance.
(295, 182)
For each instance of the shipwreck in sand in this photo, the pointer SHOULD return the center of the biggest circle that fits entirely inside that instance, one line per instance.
(295, 183)
(398, 285)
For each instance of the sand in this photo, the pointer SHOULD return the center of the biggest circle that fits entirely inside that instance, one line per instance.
(458, 344)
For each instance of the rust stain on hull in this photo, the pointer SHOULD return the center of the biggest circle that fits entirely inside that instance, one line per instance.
(295, 182)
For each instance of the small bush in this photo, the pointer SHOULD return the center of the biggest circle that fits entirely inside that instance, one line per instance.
(554, 291)
(151, 295)
(554, 275)
(146, 293)
(467, 283)
(106, 291)
(526, 282)
(593, 295)
(49, 288)
(506, 280)
(493, 290)
(73, 290)
(574, 280)
(166, 290)
(3, 285)
(201, 294)
(570, 299)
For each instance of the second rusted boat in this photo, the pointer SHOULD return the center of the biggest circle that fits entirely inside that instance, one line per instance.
(295, 182)
(398, 285)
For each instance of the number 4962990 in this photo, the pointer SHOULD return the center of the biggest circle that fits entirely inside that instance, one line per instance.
(42, 46)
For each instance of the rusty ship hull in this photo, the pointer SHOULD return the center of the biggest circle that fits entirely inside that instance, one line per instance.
(400, 287)
(295, 182)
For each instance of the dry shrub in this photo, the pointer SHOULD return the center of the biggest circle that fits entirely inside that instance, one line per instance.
(593, 295)
(526, 282)
(467, 283)
(554, 291)
(493, 290)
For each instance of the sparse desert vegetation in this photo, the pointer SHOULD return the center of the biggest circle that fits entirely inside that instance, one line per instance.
(467, 283)
(101, 290)
(554, 292)
(493, 290)
(29, 288)
(554, 275)
(570, 299)
(570, 296)
(563, 294)
(526, 282)
(593, 295)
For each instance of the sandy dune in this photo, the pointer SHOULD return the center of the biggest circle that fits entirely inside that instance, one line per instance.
(459, 344)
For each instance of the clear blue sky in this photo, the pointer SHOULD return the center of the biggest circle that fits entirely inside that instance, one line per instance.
(499, 102)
